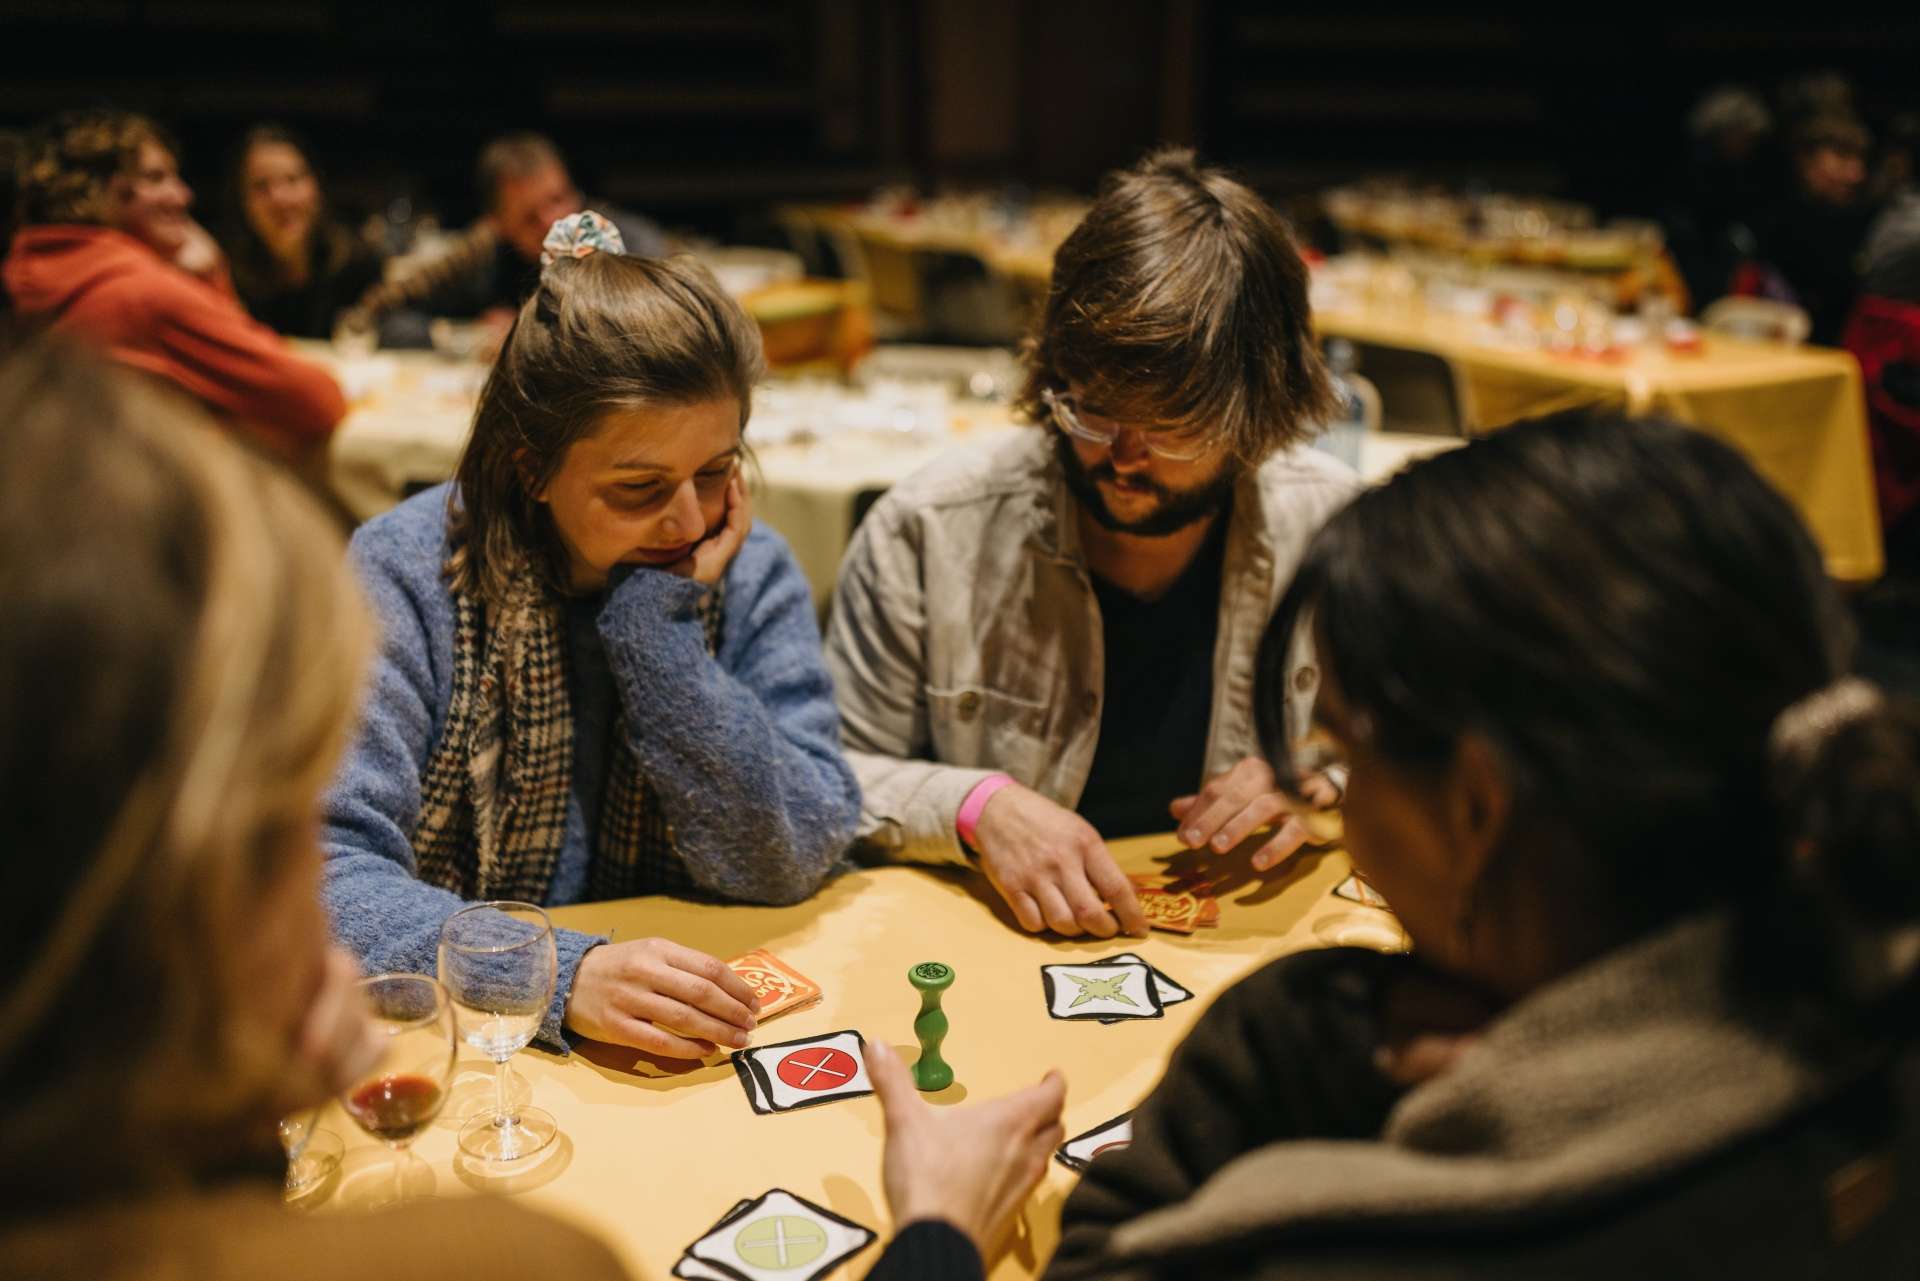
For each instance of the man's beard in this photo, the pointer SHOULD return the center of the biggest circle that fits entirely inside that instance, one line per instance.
(1178, 508)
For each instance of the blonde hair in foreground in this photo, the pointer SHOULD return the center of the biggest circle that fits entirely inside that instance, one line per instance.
(178, 675)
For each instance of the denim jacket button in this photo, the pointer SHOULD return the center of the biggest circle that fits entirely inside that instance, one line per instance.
(969, 705)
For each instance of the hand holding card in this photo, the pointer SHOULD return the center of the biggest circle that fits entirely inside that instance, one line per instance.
(780, 988)
(657, 996)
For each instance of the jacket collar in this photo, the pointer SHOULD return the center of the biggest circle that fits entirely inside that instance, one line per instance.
(1632, 1067)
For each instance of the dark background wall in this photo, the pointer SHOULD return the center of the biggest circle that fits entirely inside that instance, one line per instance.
(703, 112)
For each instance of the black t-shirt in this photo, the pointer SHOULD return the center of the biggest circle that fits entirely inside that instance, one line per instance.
(1158, 701)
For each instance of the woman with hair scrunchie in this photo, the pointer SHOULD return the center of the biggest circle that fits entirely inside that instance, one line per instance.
(598, 676)
(1659, 857)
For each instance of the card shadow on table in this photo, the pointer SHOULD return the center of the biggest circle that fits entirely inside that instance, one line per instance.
(652, 1071)
(1227, 874)
(844, 1196)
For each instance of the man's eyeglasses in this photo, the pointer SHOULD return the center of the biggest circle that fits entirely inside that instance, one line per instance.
(1175, 447)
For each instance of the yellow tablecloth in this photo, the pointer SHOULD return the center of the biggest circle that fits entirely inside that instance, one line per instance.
(649, 1159)
(1798, 413)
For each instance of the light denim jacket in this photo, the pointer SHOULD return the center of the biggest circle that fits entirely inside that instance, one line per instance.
(965, 638)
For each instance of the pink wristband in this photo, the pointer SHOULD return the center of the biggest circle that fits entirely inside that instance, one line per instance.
(976, 801)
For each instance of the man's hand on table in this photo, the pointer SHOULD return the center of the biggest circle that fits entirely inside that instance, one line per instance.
(1234, 805)
(971, 1166)
(1053, 869)
(657, 996)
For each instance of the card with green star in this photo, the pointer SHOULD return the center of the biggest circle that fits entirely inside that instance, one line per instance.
(1111, 991)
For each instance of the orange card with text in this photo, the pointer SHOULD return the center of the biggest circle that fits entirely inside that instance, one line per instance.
(780, 987)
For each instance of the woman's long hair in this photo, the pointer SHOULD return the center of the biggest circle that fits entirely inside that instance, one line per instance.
(179, 669)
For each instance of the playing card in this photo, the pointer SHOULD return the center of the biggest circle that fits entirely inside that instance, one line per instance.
(1169, 992)
(781, 988)
(1168, 910)
(694, 1270)
(1358, 891)
(1123, 990)
(775, 1237)
(1078, 1152)
(798, 1074)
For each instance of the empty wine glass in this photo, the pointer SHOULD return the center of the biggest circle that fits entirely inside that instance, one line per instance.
(498, 962)
(402, 1094)
(311, 1155)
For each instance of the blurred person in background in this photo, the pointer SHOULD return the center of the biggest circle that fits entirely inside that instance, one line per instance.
(1807, 244)
(294, 266)
(525, 187)
(1884, 336)
(107, 252)
(178, 673)
(13, 148)
(1729, 133)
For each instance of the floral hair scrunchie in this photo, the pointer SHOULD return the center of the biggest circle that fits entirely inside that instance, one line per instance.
(577, 235)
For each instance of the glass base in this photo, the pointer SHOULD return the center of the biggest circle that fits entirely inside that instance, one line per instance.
(369, 1182)
(502, 1139)
(314, 1166)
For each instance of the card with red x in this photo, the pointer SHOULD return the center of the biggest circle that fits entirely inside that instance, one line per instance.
(798, 1074)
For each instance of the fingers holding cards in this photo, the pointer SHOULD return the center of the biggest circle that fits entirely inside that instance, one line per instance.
(777, 986)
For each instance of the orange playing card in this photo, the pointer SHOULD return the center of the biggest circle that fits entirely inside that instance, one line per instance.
(780, 987)
(1165, 910)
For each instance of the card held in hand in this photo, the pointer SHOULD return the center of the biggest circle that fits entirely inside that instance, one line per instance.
(781, 988)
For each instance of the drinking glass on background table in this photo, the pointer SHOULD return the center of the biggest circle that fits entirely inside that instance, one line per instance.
(499, 965)
(406, 1089)
(312, 1154)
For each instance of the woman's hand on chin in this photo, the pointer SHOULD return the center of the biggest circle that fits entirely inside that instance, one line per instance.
(707, 562)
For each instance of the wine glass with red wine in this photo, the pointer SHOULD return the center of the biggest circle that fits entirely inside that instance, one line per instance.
(406, 1089)
(499, 964)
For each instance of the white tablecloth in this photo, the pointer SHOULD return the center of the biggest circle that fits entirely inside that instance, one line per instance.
(411, 412)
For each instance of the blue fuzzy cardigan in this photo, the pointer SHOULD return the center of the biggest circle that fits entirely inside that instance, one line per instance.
(742, 747)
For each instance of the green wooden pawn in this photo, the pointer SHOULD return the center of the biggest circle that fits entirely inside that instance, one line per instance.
(930, 1071)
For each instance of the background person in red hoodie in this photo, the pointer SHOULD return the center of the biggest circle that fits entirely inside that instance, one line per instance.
(107, 252)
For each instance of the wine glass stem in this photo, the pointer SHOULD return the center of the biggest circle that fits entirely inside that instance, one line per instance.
(503, 1117)
(399, 1174)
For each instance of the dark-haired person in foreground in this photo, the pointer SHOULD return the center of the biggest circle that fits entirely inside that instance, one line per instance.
(1659, 857)
(1052, 642)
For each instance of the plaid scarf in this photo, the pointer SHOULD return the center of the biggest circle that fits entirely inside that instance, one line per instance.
(493, 798)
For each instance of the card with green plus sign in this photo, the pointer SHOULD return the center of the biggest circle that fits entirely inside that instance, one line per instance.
(775, 1237)
(1123, 990)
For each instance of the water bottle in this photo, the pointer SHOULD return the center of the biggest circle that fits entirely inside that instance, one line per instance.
(1357, 406)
